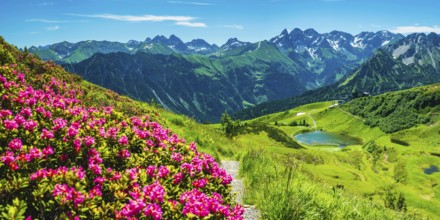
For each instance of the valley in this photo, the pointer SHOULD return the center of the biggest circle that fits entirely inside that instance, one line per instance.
(369, 170)
(384, 163)
(381, 167)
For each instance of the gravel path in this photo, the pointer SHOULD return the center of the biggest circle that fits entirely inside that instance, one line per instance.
(231, 167)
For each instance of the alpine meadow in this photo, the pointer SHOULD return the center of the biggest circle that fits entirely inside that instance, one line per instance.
(208, 109)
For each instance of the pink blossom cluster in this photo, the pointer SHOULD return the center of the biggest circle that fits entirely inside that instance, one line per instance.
(94, 161)
(198, 203)
(68, 194)
(146, 200)
(82, 155)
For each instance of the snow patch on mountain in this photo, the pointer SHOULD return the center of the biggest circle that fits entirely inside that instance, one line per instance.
(408, 60)
(312, 53)
(197, 49)
(148, 46)
(317, 41)
(385, 43)
(259, 45)
(279, 37)
(236, 44)
(400, 50)
(358, 42)
(334, 44)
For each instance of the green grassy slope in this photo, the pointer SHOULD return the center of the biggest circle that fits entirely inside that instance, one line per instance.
(368, 171)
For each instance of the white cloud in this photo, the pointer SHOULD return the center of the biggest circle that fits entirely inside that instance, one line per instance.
(191, 3)
(239, 27)
(52, 21)
(138, 18)
(53, 28)
(191, 24)
(180, 20)
(414, 29)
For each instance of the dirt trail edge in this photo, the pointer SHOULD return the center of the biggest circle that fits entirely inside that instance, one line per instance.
(232, 167)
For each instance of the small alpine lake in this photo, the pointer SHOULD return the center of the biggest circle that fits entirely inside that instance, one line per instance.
(326, 138)
(430, 170)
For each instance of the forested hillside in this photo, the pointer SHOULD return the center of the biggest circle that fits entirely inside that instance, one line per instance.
(396, 111)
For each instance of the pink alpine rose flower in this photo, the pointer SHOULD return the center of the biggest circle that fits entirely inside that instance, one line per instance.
(155, 192)
(124, 153)
(46, 134)
(177, 178)
(72, 131)
(177, 157)
(154, 211)
(48, 151)
(10, 125)
(200, 183)
(15, 144)
(123, 140)
(89, 141)
(163, 172)
(30, 125)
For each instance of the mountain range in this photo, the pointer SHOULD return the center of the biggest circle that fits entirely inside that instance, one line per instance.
(65, 52)
(331, 55)
(409, 62)
(199, 86)
(239, 75)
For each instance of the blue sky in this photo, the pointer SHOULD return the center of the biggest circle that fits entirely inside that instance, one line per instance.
(42, 22)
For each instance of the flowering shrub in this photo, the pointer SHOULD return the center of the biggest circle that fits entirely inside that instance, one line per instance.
(63, 158)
